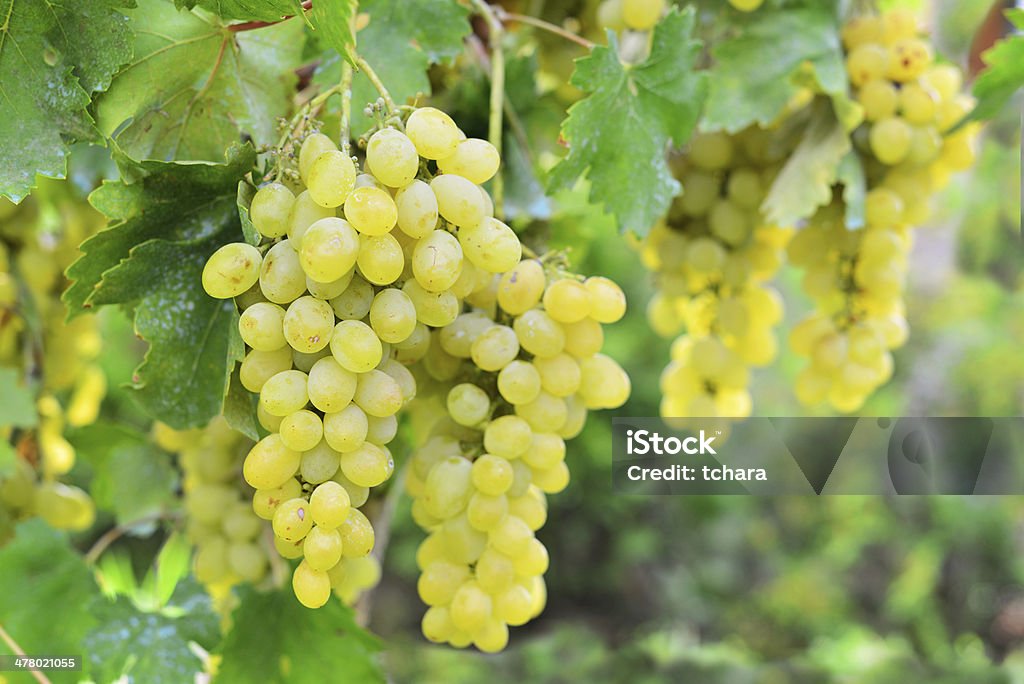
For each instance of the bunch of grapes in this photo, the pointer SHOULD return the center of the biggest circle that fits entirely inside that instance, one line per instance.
(54, 359)
(516, 376)
(856, 278)
(355, 270)
(635, 15)
(712, 257)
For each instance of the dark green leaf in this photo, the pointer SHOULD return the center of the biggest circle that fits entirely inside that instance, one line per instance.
(240, 408)
(243, 202)
(1004, 73)
(17, 405)
(275, 641)
(45, 580)
(333, 20)
(193, 88)
(756, 71)
(250, 10)
(619, 133)
(53, 56)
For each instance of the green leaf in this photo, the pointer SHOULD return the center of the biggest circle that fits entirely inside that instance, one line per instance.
(851, 175)
(239, 408)
(45, 580)
(275, 640)
(172, 565)
(805, 182)
(132, 478)
(243, 201)
(248, 10)
(53, 56)
(17, 405)
(756, 71)
(193, 88)
(619, 133)
(142, 646)
(8, 461)
(402, 39)
(1004, 73)
(333, 22)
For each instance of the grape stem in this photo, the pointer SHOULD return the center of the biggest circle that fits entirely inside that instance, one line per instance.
(346, 105)
(115, 533)
(306, 112)
(19, 651)
(253, 25)
(374, 79)
(512, 17)
(494, 128)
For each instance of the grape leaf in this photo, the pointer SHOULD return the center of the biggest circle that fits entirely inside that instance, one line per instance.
(273, 637)
(53, 56)
(333, 20)
(1003, 76)
(194, 88)
(131, 477)
(17, 405)
(619, 133)
(401, 40)
(756, 71)
(132, 646)
(239, 408)
(243, 201)
(44, 580)
(255, 10)
(805, 182)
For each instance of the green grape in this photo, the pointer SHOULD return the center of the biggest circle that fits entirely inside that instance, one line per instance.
(437, 261)
(64, 506)
(289, 550)
(247, 560)
(490, 245)
(539, 334)
(319, 464)
(356, 535)
(607, 301)
(417, 209)
(302, 430)
(584, 338)
(367, 466)
(883, 208)
(380, 259)
(211, 561)
(495, 348)
(305, 362)
(436, 309)
(392, 315)
(514, 605)
(519, 382)
(266, 500)
(567, 301)
(457, 339)
(331, 178)
(910, 58)
(269, 464)
(330, 385)
(867, 63)
(440, 580)
(414, 347)
(262, 326)
(270, 209)
(448, 487)
(603, 383)
(402, 376)
(391, 157)
(281, 277)
(508, 436)
(329, 250)
(492, 474)
(458, 200)
(437, 624)
(512, 536)
(862, 29)
(305, 212)
(641, 15)
(463, 543)
(474, 159)
(531, 508)
(284, 393)
(308, 324)
(259, 366)
(468, 404)
(746, 5)
(945, 79)
(322, 548)
(356, 346)
(711, 151)
(533, 561)
(346, 429)
(546, 413)
(559, 375)
(890, 140)
(329, 504)
(313, 146)
(371, 211)
(484, 512)
(312, 587)
(381, 431)
(231, 270)
(378, 394)
(292, 520)
(729, 223)
(546, 451)
(494, 571)
(330, 290)
(918, 104)
(521, 288)
(355, 302)
(705, 255)
(433, 133)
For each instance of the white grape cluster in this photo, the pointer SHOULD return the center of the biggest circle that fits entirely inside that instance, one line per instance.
(359, 267)
(712, 258)
(856, 278)
(71, 384)
(636, 15)
(516, 375)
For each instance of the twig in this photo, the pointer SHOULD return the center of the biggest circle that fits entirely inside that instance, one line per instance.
(512, 17)
(115, 533)
(494, 128)
(374, 79)
(514, 121)
(253, 25)
(18, 651)
(346, 105)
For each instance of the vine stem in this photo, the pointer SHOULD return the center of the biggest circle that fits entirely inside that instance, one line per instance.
(494, 128)
(512, 17)
(18, 651)
(346, 105)
(374, 79)
(253, 25)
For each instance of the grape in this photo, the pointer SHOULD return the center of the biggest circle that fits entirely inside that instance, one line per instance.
(330, 385)
(380, 260)
(355, 302)
(567, 301)
(312, 587)
(301, 431)
(508, 436)
(468, 404)
(330, 290)
(371, 211)
(378, 394)
(606, 299)
(331, 178)
(890, 140)
(642, 15)
(356, 535)
(521, 288)
(439, 582)
(492, 475)
(329, 504)
(470, 607)
(292, 520)
(329, 250)
(711, 151)
(560, 375)
(402, 376)
(484, 512)
(603, 382)
(490, 245)
(322, 548)
(512, 536)
(546, 413)
(247, 561)
(519, 382)
(64, 506)
(266, 501)
(448, 487)
(474, 159)
(458, 200)
(392, 315)
(308, 324)
(367, 466)
(437, 261)
(746, 5)
(346, 429)
(313, 146)
(355, 346)
(539, 334)
(284, 393)
(433, 133)
(281, 277)
(231, 270)
(381, 431)
(866, 63)
(436, 309)
(495, 348)
(262, 326)
(417, 209)
(879, 99)
(910, 58)
(391, 157)
(259, 366)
